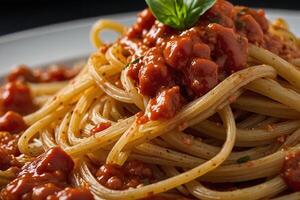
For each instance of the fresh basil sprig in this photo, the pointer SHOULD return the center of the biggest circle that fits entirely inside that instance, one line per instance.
(179, 14)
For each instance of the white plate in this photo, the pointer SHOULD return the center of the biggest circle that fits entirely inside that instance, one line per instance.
(66, 41)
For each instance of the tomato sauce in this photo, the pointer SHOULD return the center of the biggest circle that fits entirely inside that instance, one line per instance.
(131, 174)
(47, 176)
(157, 197)
(194, 60)
(9, 143)
(100, 127)
(291, 171)
(7, 160)
(166, 103)
(8, 151)
(172, 68)
(16, 96)
(12, 122)
(51, 74)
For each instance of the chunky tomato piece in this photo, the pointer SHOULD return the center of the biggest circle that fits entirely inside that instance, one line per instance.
(198, 58)
(45, 177)
(154, 73)
(178, 52)
(251, 29)
(202, 76)
(74, 194)
(16, 96)
(131, 174)
(231, 48)
(144, 21)
(12, 122)
(166, 104)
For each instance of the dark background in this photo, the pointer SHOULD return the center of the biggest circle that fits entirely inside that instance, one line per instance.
(17, 15)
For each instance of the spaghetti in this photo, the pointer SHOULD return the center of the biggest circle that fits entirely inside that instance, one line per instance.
(211, 112)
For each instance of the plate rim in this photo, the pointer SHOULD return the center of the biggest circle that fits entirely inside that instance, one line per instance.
(60, 27)
(73, 24)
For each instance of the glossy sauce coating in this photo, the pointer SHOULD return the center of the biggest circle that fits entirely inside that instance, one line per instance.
(7, 160)
(166, 103)
(12, 122)
(16, 96)
(8, 150)
(9, 142)
(291, 171)
(131, 174)
(194, 60)
(46, 176)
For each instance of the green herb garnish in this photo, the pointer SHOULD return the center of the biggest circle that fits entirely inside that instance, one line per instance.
(133, 62)
(243, 159)
(179, 14)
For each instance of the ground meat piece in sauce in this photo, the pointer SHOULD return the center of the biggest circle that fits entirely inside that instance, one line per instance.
(154, 73)
(7, 160)
(258, 15)
(220, 13)
(165, 104)
(251, 24)
(9, 150)
(12, 122)
(230, 48)
(156, 35)
(9, 142)
(221, 37)
(47, 175)
(16, 96)
(202, 76)
(144, 22)
(116, 177)
(250, 28)
(291, 171)
(178, 52)
(73, 194)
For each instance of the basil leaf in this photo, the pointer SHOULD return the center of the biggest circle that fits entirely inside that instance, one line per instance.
(179, 14)
(169, 12)
(196, 8)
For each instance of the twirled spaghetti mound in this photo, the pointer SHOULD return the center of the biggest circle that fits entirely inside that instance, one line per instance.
(210, 111)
